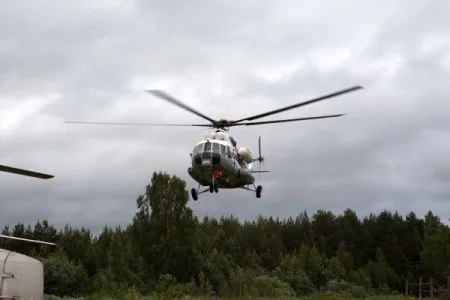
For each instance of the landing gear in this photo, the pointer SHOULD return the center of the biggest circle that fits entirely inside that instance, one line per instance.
(194, 194)
(213, 187)
(256, 189)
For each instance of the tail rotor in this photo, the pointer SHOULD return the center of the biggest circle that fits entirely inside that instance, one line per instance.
(259, 159)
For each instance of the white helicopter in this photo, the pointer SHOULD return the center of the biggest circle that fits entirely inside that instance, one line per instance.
(216, 160)
(24, 172)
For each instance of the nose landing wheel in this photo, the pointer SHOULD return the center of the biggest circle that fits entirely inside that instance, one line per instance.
(213, 187)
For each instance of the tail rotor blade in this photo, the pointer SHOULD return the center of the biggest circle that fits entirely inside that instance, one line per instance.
(259, 145)
(259, 157)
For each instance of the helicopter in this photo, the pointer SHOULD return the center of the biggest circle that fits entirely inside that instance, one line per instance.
(24, 172)
(216, 161)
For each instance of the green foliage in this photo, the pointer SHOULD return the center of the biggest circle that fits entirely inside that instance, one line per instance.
(62, 276)
(268, 286)
(291, 271)
(133, 296)
(167, 253)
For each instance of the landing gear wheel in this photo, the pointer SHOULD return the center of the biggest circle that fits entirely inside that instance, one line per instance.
(216, 188)
(211, 188)
(258, 191)
(194, 194)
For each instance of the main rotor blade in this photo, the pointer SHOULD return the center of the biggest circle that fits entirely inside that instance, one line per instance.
(344, 91)
(163, 95)
(286, 120)
(26, 240)
(24, 172)
(136, 124)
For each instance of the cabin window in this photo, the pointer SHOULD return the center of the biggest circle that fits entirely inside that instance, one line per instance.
(208, 147)
(216, 147)
(233, 141)
(223, 150)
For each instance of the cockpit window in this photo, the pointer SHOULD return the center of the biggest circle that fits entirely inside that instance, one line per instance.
(198, 148)
(216, 147)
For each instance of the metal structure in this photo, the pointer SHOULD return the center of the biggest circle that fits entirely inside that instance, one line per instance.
(21, 276)
(216, 161)
(421, 289)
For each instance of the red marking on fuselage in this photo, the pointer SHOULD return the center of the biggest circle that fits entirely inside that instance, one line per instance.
(218, 173)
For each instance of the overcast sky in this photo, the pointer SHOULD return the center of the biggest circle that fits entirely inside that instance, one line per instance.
(92, 60)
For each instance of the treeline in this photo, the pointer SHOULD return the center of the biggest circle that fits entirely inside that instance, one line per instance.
(165, 249)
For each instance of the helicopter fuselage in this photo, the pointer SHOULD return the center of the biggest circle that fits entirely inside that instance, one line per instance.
(217, 159)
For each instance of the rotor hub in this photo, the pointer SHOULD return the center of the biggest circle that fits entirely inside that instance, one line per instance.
(223, 124)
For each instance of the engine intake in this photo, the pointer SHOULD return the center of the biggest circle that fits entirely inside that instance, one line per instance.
(245, 154)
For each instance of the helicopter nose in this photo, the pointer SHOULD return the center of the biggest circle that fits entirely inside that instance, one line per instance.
(206, 163)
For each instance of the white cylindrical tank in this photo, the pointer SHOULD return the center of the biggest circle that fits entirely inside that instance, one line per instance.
(245, 154)
(21, 276)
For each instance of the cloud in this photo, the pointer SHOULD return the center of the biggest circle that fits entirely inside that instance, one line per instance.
(93, 61)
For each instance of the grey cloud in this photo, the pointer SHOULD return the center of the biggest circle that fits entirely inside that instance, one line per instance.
(99, 59)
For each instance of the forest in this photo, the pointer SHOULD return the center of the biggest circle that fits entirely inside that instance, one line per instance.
(166, 250)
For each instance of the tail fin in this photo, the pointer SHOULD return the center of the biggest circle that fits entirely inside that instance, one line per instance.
(259, 159)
